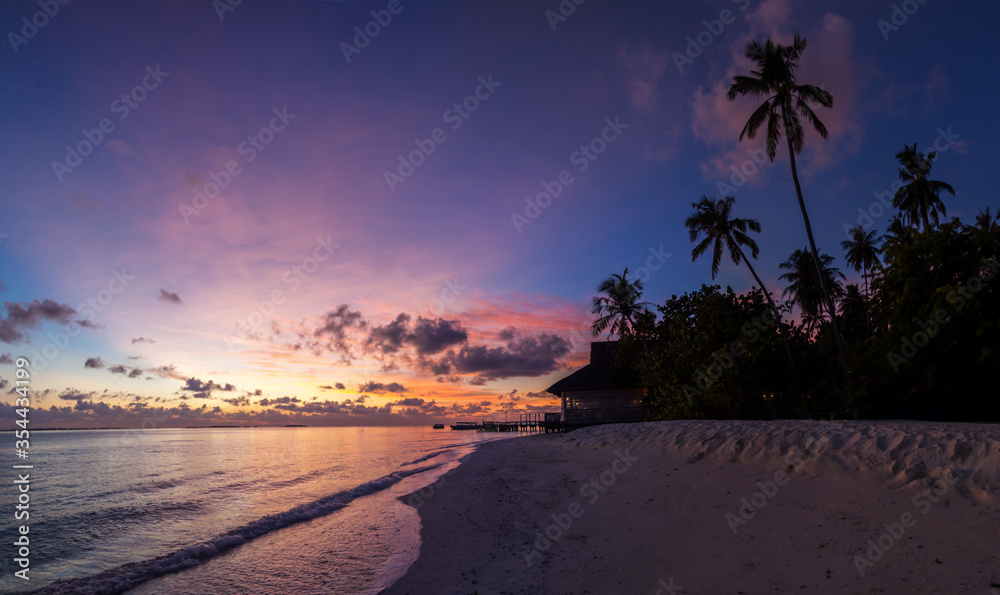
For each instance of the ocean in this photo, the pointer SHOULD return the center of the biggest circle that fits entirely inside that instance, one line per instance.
(225, 510)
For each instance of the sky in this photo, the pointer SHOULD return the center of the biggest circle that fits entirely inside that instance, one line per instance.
(395, 212)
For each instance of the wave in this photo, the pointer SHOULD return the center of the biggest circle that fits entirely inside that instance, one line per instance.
(128, 576)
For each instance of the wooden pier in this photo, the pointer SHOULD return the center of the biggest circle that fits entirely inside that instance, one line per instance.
(526, 422)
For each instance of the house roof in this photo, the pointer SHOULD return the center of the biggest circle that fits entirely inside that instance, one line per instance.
(599, 374)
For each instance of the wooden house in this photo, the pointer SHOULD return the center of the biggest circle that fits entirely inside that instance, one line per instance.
(600, 392)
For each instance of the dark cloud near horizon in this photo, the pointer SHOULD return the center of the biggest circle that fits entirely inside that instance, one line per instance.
(379, 388)
(142, 340)
(168, 296)
(94, 362)
(118, 369)
(340, 386)
(331, 335)
(6, 358)
(135, 373)
(203, 390)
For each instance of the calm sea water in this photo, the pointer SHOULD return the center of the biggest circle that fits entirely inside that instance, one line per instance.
(225, 510)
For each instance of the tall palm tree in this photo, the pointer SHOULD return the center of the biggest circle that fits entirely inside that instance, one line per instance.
(804, 288)
(712, 217)
(619, 307)
(919, 200)
(785, 104)
(862, 255)
(987, 222)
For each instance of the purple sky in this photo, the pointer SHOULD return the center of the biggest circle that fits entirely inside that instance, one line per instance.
(254, 251)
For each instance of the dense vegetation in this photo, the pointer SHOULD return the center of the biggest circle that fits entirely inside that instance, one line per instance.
(919, 339)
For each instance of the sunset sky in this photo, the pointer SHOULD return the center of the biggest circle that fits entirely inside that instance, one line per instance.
(262, 214)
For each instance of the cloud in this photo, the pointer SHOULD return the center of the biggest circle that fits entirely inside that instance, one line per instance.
(340, 386)
(379, 388)
(170, 297)
(22, 317)
(168, 372)
(4, 383)
(238, 401)
(333, 330)
(426, 336)
(409, 402)
(5, 358)
(118, 370)
(520, 356)
(203, 390)
(828, 62)
(142, 340)
(135, 373)
(389, 338)
(74, 395)
(278, 401)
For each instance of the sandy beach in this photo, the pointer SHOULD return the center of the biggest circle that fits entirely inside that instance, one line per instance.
(718, 507)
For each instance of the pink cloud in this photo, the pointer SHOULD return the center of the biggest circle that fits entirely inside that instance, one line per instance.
(827, 62)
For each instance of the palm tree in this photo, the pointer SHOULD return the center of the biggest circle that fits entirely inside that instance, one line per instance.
(853, 306)
(862, 255)
(786, 102)
(987, 222)
(919, 200)
(619, 307)
(711, 217)
(803, 287)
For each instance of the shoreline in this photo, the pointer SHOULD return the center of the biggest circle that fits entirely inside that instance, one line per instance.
(719, 507)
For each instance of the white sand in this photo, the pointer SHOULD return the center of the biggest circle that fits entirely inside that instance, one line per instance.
(666, 518)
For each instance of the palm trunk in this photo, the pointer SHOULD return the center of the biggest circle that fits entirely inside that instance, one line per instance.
(777, 315)
(868, 316)
(815, 255)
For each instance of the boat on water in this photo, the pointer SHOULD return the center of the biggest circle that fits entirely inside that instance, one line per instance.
(438, 426)
(465, 425)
